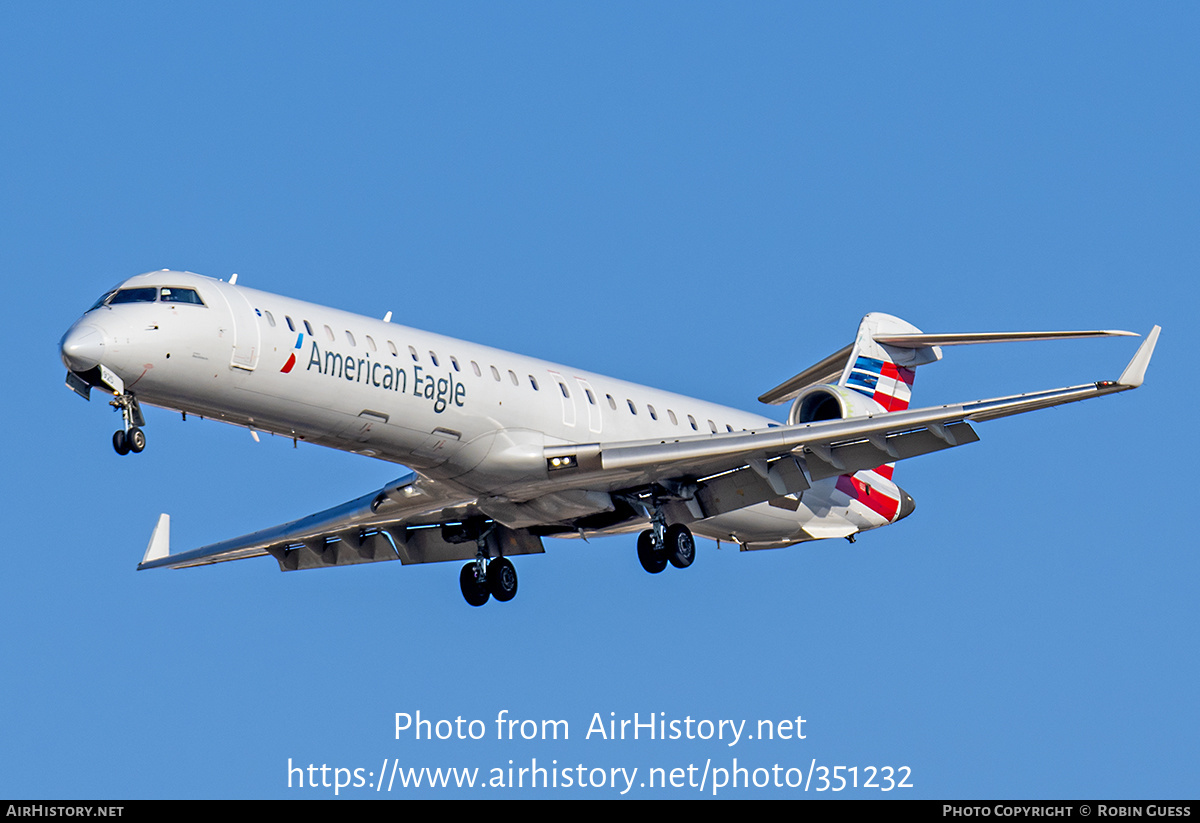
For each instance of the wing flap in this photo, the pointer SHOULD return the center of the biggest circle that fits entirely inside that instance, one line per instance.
(868, 454)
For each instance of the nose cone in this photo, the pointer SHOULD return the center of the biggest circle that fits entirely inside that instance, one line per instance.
(82, 347)
(907, 505)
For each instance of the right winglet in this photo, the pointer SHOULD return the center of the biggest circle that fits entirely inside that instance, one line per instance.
(160, 540)
(1135, 372)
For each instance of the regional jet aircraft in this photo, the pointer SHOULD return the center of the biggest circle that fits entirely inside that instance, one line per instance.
(505, 449)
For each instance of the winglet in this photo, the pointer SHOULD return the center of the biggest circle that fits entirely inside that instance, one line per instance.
(160, 540)
(1135, 372)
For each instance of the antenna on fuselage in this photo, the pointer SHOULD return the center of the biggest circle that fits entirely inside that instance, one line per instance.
(387, 318)
(233, 279)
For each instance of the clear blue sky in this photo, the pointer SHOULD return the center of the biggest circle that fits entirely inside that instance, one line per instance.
(702, 197)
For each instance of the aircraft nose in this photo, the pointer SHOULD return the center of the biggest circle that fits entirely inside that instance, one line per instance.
(82, 347)
(907, 505)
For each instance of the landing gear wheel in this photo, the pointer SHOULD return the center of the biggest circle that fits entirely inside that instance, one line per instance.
(135, 438)
(653, 560)
(502, 579)
(120, 443)
(474, 590)
(681, 548)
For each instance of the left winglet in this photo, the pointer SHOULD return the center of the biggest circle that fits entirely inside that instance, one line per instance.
(160, 540)
(1135, 372)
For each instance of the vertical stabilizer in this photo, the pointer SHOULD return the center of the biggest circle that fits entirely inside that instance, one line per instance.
(881, 372)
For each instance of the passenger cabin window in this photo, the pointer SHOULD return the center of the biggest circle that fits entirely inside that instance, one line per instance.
(270, 319)
(632, 408)
(612, 404)
(712, 426)
(671, 414)
(512, 375)
(350, 337)
(533, 382)
(371, 343)
(308, 328)
(653, 413)
(475, 368)
(496, 373)
(291, 325)
(563, 388)
(591, 397)
(454, 363)
(433, 357)
(329, 333)
(692, 421)
(392, 349)
(134, 296)
(413, 352)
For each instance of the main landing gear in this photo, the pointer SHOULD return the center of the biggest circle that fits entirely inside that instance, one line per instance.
(482, 578)
(496, 578)
(661, 544)
(131, 438)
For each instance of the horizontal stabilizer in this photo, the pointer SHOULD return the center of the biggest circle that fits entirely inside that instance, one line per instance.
(924, 350)
(827, 371)
(918, 341)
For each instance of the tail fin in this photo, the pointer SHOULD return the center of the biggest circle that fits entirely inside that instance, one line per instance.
(885, 374)
(881, 371)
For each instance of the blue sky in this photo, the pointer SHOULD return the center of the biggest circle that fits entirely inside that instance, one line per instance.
(713, 194)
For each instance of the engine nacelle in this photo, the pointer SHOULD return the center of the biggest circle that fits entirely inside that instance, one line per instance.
(829, 402)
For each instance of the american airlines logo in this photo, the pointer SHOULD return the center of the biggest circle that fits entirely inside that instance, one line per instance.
(441, 391)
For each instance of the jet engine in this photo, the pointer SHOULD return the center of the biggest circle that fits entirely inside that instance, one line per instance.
(828, 402)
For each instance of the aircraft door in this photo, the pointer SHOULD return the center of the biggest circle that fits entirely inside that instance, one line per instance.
(247, 339)
(595, 421)
(568, 401)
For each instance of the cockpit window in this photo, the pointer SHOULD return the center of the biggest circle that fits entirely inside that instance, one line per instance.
(103, 299)
(134, 296)
(176, 295)
(148, 294)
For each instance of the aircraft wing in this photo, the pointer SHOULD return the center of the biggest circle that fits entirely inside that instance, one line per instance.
(722, 472)
(401, 521)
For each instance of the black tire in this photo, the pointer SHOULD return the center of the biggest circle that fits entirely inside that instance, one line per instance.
(473, 591)
(136, 439)
(120, 443)
(681, 547)
(502, 579)
(653, 560)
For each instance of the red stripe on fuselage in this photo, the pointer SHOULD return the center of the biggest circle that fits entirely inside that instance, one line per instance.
(872, 498)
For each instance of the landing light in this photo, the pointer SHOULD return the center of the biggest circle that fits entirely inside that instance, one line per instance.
(567, 462)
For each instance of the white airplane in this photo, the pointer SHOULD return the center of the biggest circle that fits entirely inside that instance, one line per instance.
(506, 449)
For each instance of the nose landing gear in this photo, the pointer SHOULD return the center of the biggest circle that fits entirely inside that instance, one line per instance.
(131, 438)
